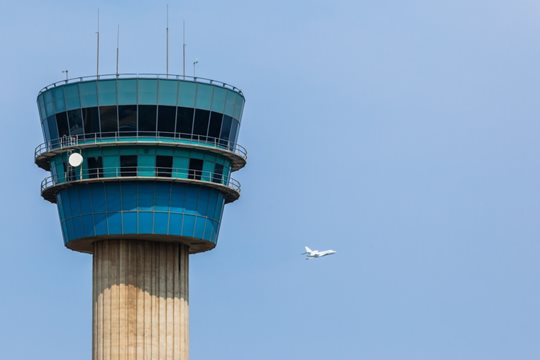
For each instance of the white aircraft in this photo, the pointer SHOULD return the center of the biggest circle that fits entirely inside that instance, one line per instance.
(314, 254)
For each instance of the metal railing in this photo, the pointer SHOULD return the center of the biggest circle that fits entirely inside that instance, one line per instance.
(141, 172)
(139, 137)
(142, 76)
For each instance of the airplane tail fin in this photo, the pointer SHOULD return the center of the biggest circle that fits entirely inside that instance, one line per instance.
(308, 250)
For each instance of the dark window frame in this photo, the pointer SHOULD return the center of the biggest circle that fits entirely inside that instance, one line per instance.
(217, 175)
(164, 165)
(163, 117)
(145, 114)
(195, 171)
(128, 165)
(95, 167)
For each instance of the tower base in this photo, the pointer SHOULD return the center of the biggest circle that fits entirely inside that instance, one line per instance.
(140, 301)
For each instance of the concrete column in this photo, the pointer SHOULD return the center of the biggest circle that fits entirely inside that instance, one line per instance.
(140, 301)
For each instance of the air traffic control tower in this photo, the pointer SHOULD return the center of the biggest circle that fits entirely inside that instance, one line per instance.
(140, 168)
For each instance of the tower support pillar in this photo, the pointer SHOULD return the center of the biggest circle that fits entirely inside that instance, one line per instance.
(140, 300)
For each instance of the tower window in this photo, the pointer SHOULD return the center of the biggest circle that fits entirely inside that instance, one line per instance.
(127, 119)
(75, 122)
(95, 167)
(147, 120)
(200, 126)
(164, 166)
(166, 120)
(109, 120)
(91, 120)
(69, 172)
(225, 130)
(184, 122)
(128, 165)
(62, 122)
(217, 177)
(195, 169)
(215, 125)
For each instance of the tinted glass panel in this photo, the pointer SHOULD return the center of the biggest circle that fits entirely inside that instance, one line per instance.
(166, 120)
(128, 165)
(215, 125)
(200, 126)
(95, 167)
(225, 130)
(127, 119)
(75, 122)
(109, 123)
(147, 119)
(234, 130)
(164, 165)
(53, 130)
(217, 177)
(184, 122)
(195, 169)
(62, 123)
(91, 120)
(69, 172)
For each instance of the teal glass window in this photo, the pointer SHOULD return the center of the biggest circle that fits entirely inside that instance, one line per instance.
(218, 100)
(168, 92)
(229, 103)
(147, 91)
(107, 92)
(88, 91)
(53, 130)
(127, 92)
(204, 96)
(71, 94)
(59, 102)
(49, 103)
(186, 94)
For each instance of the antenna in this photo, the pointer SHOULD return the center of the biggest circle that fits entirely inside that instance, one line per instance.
(117, 48)
(184, 48)
(167, 41)
(97, 57)
(65, 72)
(194, 64)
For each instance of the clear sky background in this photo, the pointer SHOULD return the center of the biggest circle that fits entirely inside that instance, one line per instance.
(403, 134)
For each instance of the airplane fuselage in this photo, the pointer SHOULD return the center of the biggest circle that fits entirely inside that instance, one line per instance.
(317, 254)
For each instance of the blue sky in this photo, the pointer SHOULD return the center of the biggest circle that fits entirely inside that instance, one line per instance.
(403, 134)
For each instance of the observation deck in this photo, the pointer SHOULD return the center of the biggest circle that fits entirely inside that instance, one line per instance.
(230, 187)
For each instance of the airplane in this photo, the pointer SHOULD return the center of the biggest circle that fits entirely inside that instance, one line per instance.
(314, 254)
